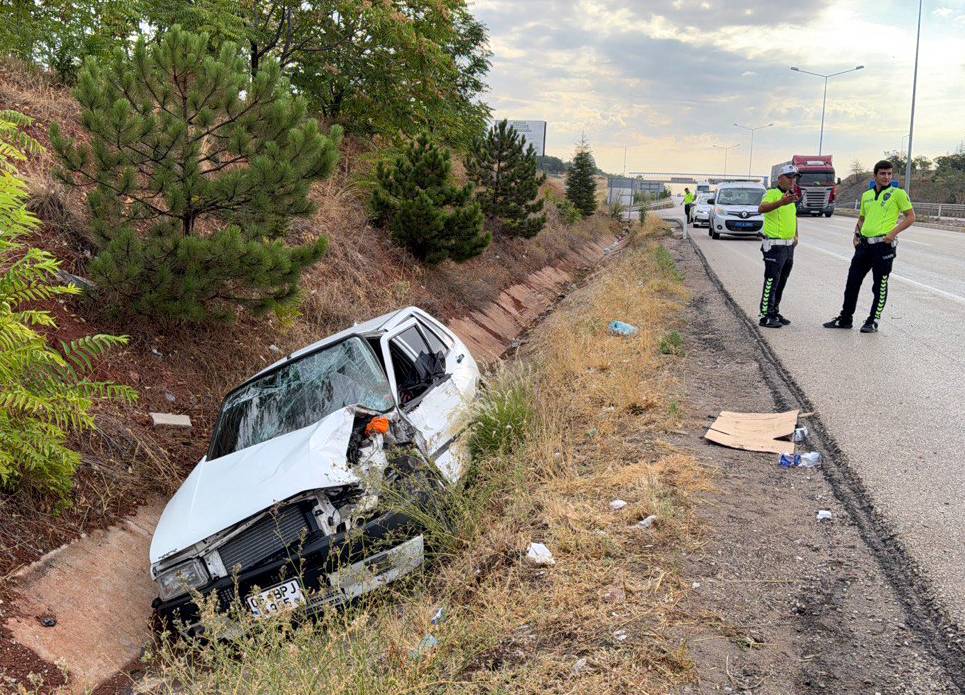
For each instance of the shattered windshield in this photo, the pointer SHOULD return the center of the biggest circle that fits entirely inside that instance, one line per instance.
(300, 393)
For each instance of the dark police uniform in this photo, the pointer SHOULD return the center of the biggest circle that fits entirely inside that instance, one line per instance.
(780, 230)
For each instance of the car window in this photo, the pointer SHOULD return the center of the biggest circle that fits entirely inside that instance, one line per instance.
(299, 393)
(435, 343)
(416, 365)
(739, 196)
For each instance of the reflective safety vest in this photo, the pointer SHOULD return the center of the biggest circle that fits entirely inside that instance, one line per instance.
(780, 223)
(880, 210)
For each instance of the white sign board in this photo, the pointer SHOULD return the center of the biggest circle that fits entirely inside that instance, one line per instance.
(534, 133)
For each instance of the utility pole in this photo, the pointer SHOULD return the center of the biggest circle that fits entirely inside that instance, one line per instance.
(914, 88)
(725, 148)
(824, 103)
(750, 159)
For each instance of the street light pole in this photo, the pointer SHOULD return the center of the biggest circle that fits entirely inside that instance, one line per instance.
(914, 88)
(725, 148)
(750, 159)
(824, 102)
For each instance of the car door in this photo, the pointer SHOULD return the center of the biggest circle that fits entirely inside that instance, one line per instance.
(431, 390)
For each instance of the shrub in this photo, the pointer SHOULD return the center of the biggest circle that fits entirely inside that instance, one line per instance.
(416, 198)
(197, 170)
(44, 392)
(672, 344)
(568, 211)
(508, 177)
(502, 418)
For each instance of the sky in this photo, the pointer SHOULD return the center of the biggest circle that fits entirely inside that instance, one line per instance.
(663, 81)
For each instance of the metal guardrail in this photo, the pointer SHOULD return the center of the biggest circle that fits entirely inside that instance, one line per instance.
(955, 211)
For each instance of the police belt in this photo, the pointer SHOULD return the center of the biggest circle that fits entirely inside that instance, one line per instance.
(875, 239)
(768, 243)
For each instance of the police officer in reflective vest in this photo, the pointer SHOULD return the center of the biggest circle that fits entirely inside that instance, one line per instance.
(689, 199)
(875, 246)
(780, 238)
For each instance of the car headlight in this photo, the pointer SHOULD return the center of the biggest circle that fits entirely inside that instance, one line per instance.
(181, 578)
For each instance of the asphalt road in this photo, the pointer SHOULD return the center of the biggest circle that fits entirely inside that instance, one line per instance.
(895, 400)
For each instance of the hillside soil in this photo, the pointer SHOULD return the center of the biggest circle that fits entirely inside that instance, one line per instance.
(781, 602)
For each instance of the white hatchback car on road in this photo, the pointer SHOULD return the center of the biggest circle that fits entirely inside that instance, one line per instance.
(734, 212)
(700, 213)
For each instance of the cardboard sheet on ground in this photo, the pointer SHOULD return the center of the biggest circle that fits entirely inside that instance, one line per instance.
(754, 431)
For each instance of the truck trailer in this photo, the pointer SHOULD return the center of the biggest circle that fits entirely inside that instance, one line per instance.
(816, 186)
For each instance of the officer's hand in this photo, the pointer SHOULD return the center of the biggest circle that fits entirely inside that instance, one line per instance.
(788, 198)
(890, 238)
(856, 241)
(795, 241)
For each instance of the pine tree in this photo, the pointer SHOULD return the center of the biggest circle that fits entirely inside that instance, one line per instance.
(580, 184)
(44, 391)
(197, 169)
(416, 198)
(508, 178)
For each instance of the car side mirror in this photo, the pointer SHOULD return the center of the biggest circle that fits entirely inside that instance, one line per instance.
(710, 201)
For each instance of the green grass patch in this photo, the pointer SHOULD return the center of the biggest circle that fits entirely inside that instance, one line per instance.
(672, 344)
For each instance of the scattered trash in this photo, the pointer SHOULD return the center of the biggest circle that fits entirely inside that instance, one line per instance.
(539, 554)
(824, 515)
(439, 617)
(620, 635)
(648, 522)
(811, 459)
(426, 645)
(695, 585)
(579, 666)
(753, 431)
(48, 621)
(170, 420)
(615, 594)
(169, 397)
(800, 434)
(275, 349)
(156, 353)
(617, 505)
(623, 329)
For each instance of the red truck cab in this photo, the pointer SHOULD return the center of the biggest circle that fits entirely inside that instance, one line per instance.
(816, 187)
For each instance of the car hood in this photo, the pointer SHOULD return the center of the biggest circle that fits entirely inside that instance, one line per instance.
(751, 210)
(221, 493)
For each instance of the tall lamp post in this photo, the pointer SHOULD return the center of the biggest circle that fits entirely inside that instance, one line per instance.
(750, 159)
(824, 103)
(725, 148)
(914, 88)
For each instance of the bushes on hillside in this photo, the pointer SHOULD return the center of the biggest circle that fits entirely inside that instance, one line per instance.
(197, 170)
(580, 184)
(44, 392)
(508, 181)
(426, 212)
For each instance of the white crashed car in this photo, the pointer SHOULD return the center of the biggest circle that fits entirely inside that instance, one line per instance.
(291, 497)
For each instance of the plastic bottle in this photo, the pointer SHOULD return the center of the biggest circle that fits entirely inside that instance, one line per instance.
(621, 328)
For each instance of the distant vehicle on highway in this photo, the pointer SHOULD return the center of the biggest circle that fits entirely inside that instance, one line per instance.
(703, 187)
(700, 212)
(734, 212)
(816, 186)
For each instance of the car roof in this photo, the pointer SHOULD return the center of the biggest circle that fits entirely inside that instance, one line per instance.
(367, 329)
(740, 184)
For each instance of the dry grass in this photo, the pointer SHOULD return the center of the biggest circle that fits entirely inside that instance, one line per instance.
(601, 619)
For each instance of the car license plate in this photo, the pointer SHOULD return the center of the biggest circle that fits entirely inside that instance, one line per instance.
(278, 598)
(744, 225)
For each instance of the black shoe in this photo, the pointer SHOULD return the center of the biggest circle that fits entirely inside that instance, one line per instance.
(870, 326)
(838, 322)
(784, 321)
(771, 322)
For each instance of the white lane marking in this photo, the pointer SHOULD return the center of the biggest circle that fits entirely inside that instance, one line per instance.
(934, 290)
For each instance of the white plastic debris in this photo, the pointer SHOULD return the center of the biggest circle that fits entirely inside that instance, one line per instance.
(620, 635)
(538, 554)
(824, 515)
(275, 349)
(617, 505)
(811, 459)
(800, 434)
(579, 666)
(427, 644)
(439, 617)
(648, 522)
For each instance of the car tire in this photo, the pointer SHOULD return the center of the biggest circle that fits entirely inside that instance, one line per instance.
(714, 235)
(828, 214)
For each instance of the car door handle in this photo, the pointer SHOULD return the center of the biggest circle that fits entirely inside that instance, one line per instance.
(459, 359)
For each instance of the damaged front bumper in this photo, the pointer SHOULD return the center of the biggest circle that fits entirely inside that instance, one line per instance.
(329, 570)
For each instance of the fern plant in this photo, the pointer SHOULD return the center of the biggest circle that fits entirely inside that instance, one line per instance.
(45, 392)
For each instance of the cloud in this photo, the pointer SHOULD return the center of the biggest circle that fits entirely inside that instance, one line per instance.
(669, 77)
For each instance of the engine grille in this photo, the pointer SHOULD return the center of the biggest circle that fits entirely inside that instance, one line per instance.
(816, 198)
(268, 537)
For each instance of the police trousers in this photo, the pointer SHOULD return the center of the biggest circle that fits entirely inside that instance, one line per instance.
(778, 261)
(878, 258)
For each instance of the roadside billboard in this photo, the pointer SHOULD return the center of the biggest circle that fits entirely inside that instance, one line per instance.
(534, 133)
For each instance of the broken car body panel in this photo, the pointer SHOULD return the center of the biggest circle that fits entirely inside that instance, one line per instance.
(293, 459)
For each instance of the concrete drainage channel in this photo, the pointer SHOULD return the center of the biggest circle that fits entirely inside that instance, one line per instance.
(925, 616)
(86, 606)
